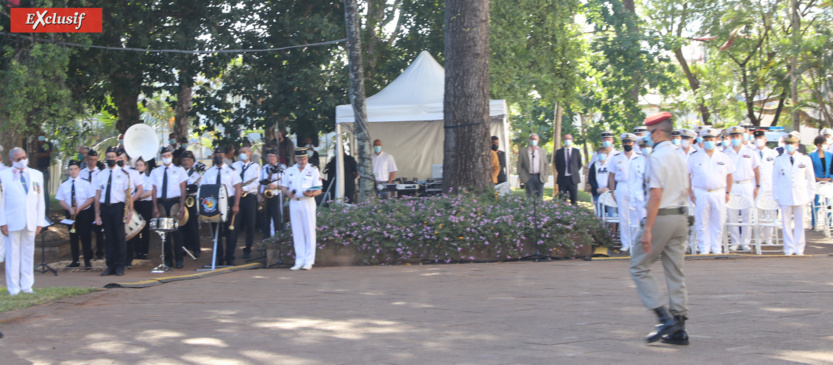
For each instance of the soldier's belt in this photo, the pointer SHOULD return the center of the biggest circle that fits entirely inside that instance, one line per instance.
(673, 211)
(743, 181)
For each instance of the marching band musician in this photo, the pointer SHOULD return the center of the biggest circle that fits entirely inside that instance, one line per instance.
(297, 185)
(22, 216)
(144, 206)
(249, 172)
(169, 200)
(139, 183)
(273, 209)
(89, 174)
(76, 196)
(191, 229)
(111, 205)
(221, 173)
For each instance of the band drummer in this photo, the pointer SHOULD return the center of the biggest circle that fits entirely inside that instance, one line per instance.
(223, 174)
(112, 187)
(169, 200)
(76, 196)
(301, 184)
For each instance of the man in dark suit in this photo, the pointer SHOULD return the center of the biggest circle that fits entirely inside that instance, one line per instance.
(501, 177)
(568, 167)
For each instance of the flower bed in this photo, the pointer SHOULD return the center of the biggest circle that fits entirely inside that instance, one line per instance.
(449, 228)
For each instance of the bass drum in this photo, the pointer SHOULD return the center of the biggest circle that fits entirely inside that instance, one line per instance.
(212, 203)
(134, 226)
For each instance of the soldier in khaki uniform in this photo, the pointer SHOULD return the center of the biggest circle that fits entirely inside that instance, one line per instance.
(663, 233)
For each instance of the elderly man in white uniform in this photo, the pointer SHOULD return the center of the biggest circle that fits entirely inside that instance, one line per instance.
(618, 182)
(22, 216)
(301, 184)
(747, 183)
(793, 184)
(711, 183)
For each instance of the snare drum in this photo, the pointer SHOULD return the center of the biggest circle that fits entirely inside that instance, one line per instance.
(212, 203)
(163, 224)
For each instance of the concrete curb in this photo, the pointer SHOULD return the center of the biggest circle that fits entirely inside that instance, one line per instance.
(170, 279)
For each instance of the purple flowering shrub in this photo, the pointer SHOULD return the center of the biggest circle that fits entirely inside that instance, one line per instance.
(453, 228)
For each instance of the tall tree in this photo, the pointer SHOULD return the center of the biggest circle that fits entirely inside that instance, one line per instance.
(466, 154)
(357, 99)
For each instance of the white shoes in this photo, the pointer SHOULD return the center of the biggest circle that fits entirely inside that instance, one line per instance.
(301, 267)
(307, 267)
(295, 268)
(746, 248)
(734, 248)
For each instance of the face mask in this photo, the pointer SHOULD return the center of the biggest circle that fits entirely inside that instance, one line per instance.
(173, 141)
(184, 145)
(760, 143)
(79, 156)
(218, 160)
(648, 140)
(309, 154)
(377, 149)
(111, 163)
(309, 145)
(534, 143)
(121, 142)
(567, 142)
(167, 161)
(646, 151)
(699, 139)
(709, 145)
(494, 147)
(244, 157)
(686, 143)
(606, 143)
(736, 142)
(120, 163)
(676, 141)
(726, 143)
(20, 165)
(790, 148)
(627, 148)
(41, 138)
(602, 157)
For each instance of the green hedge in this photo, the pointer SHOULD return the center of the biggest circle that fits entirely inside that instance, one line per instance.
(452, 228)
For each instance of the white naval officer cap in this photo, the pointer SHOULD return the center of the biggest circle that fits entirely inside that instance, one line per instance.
(708, 132)
(688, 133)
(824, 132)
(627, 137)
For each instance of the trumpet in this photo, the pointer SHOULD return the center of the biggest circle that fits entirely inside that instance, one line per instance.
(74, 209)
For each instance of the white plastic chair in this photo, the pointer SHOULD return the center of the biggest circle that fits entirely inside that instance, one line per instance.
(605, 204)
(739, 202)
(692, 234)
(768, 218)
(822, 210)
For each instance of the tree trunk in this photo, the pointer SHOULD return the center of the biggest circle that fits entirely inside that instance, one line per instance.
(796, 41)
(183, 106)
(630, 6)
(587, 153)
(779, 108)
(466, 155)
(556, 144)
(354, 56)
(126, 97)
(693, 83)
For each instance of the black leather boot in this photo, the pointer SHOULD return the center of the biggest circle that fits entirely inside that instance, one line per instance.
(680, 337)
(667, 324)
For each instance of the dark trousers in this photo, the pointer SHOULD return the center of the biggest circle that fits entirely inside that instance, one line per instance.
(173, 250)
(141, 242)
(534, 186)
(229, 236)
(83, 230)
(99, 238)
(115, 245)
(246, 219)
(566, 188)
(191, 231)
(272, 213)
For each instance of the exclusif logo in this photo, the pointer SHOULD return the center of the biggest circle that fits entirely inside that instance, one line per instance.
(56, 20)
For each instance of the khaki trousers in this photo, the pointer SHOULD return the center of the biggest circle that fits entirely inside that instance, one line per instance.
(668, 239)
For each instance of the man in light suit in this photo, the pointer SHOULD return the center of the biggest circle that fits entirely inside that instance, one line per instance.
(532, 167)
(568, 167)
(22, 216)
(793, 185)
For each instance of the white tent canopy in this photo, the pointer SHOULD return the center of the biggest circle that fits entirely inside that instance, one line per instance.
(407, 115)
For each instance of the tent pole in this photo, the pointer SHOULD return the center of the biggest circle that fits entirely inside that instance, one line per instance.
(339, 166)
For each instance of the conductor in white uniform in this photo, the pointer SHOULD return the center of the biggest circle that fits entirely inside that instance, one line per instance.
(22, 216)
(301, 184)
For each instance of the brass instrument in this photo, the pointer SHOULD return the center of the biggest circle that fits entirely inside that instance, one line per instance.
(247, 182)
(268, 193)
(190, 200)
(74, 209)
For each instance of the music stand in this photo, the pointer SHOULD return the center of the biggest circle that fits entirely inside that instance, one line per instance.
(43, 265)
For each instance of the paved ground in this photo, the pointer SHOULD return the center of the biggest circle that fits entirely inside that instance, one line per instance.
(767, 310)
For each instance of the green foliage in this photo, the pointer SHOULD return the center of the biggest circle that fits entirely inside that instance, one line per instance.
(40, 296)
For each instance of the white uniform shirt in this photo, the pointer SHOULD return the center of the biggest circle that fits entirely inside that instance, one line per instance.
(192, 175)
(300, 181)
(685, 155)
(636, 174)
(709, 173)
(83, 191)
(383, 165)
(136, 179)
(665, 170)
(147, 185)
(793, 183)
(619, 166)
(228, 177)
(246, 172)
(767, 157)
(176, 176)
(3, 166)
(745, 161)
(118, 185)
(275, 178)
(88, 175)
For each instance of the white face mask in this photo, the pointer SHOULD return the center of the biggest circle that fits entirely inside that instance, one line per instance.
(20, 165)
(167, 161)
(686, 143)
(760, 143)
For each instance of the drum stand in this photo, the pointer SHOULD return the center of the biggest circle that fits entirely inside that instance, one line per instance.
(214, 252)
(162, 268)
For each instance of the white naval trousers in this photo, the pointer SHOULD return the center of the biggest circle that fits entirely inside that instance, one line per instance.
(302, 219)
(623, 197)
(741, 236)
(793, 237)
(765, 233)
(709, 215)
(20, 267)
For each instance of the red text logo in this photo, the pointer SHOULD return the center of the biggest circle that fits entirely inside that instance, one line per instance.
(56, 20)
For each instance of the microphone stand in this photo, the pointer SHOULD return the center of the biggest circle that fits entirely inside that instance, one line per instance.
(43, 265)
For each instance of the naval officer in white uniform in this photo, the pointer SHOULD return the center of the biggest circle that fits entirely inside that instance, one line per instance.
(793, 185)
(301, 184)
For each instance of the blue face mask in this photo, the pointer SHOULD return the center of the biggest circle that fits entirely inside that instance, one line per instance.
(377, 149)
(533, 142)
(309, 154)
(646, 151)
(184, 145)
(790, 148)
(41, 138)
(709, 145)
(606, 143)
(244, 157)
(726, 143)
(699, 139)
(567, 142)
(173, 141)
(648, 140)
(602, 157)
(676, 141)
(736, 142)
